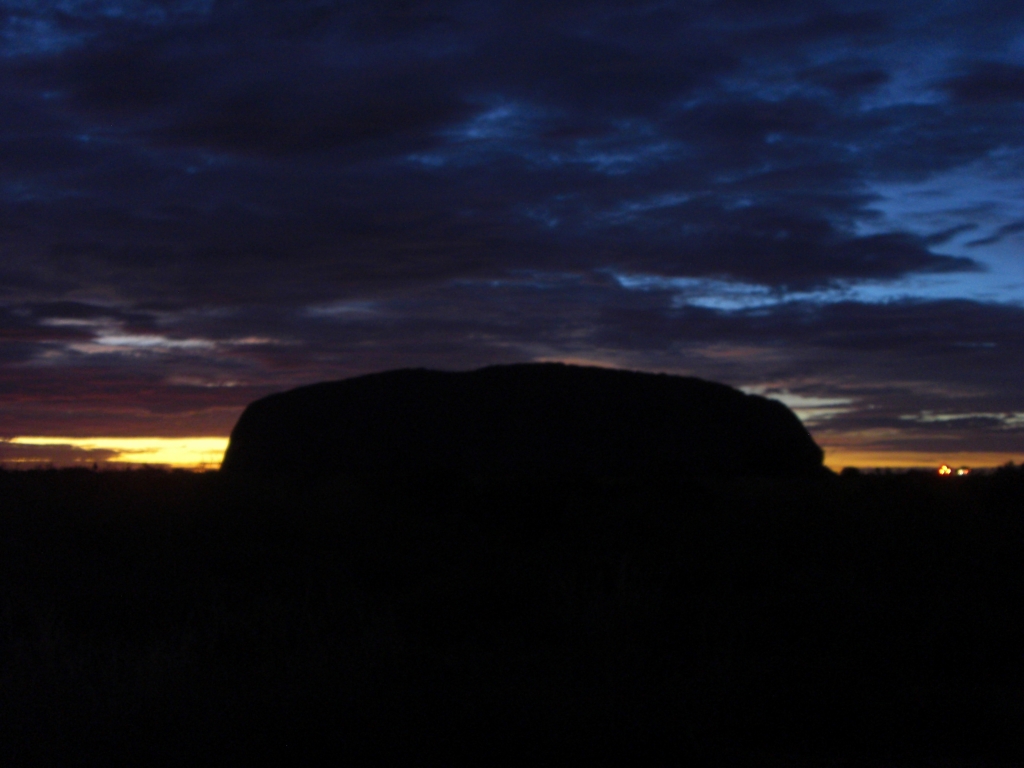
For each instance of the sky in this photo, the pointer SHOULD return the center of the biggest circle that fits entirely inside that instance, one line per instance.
(204, 202)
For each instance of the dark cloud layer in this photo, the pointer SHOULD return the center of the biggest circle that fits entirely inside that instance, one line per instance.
(987, 83)
(203, 201)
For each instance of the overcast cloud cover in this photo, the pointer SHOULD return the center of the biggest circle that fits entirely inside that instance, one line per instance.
(202, 202)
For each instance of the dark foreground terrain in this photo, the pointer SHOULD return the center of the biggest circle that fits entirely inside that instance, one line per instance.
(172, 618)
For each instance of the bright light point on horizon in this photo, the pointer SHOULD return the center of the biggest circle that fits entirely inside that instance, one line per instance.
(183, 452)
(836, 458)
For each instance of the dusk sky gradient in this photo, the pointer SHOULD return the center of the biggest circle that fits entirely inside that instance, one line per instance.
(204, 202)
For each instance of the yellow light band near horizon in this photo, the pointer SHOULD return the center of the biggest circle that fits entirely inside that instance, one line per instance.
(837, 458)
(208, 452)
(171, 451)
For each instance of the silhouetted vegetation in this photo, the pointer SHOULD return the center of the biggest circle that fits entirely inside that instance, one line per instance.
(173, 618)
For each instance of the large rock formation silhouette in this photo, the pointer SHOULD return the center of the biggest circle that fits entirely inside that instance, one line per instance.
(521, 421)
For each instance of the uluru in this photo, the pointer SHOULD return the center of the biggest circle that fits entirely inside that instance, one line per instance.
(521, 420)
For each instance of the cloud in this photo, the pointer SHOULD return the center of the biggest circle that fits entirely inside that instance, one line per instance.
(948, 234)
(365, 186)
(833, 26)
(779, 247)
(848, 81)
(990, 82)
(267, 123)
(1000, 234)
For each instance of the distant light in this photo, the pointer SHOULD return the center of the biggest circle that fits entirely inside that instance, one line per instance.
(944, 470)
(963, 471)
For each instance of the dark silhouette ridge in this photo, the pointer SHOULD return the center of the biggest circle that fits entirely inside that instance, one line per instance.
(526, 420)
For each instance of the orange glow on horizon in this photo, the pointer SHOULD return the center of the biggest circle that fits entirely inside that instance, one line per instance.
(865, 458)
(208, 452)
(587, 361)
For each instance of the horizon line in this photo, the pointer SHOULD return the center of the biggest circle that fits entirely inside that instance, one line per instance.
(203, 452)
